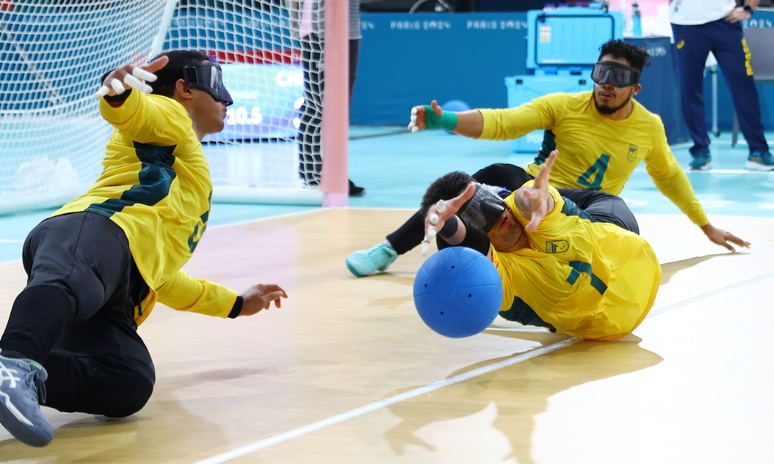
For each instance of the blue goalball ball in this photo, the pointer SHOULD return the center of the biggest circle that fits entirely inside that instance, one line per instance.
(458, 292)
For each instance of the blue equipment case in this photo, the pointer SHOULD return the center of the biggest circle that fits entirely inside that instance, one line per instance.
(562, 47)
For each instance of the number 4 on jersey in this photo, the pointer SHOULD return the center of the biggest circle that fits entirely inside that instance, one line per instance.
(597, 172)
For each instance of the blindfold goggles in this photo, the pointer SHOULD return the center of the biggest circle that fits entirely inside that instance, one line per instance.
(483, 210)
(203, 76)
(615, 74)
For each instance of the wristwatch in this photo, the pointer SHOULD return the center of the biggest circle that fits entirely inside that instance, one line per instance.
(749, 9)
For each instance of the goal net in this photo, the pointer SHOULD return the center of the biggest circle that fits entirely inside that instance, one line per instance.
(53, 53)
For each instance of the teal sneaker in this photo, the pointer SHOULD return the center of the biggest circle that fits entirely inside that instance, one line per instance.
(701, 161)
(21, 383)
(760, 161)
(377, 258)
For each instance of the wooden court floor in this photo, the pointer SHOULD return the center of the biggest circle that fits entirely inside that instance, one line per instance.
(346, 372)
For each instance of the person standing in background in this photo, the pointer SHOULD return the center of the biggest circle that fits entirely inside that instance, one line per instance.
(701, 26)
(308, 21)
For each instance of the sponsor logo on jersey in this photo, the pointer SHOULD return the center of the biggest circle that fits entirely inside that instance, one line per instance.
(632, 156)
(557, 246)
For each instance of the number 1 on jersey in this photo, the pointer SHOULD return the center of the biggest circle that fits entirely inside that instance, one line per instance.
(599, 167)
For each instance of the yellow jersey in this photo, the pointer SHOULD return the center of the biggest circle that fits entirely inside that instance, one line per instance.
(591, 280)
(155, 185)
(596, 153)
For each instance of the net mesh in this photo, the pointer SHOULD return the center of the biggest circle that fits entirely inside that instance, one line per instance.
(271, 55)
(53, 53)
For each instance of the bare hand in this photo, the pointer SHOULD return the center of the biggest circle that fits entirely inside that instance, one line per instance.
(738, 14)
(133, 76)
(259, 297)
(418, 120)
(437, 215)
(721, 237)
(538, 195)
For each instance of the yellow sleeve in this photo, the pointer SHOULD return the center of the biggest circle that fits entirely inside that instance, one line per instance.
(184, 293)
(512, 123)
(672, 181)
(146, 119)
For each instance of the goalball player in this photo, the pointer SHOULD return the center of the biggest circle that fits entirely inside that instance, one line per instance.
(98, 265)
(559, 268)
(602, 135)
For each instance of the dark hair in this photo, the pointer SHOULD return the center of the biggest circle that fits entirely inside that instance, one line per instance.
(178, 59)
(445, 188)
(636, 56)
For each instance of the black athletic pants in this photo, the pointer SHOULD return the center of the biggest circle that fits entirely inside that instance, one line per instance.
(76, 316)
(603, 207)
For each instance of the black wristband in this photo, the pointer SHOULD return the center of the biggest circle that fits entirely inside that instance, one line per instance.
(237, 308)
(449, 227)
(475, 238)
(748, 9)
(118, 98)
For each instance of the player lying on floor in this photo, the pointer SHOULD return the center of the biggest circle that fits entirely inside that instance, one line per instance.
(560, 269)
(99, 265)
(603, 136)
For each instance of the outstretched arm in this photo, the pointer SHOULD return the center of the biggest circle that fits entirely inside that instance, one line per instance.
(185, 293)
(672, 181)
(468, 123)
(536, 201)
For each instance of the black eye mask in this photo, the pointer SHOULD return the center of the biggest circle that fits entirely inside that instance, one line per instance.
(615, 74)
(204, 76)
(483, 210)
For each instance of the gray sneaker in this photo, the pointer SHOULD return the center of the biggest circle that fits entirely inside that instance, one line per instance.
(377, 258)
(21, 381)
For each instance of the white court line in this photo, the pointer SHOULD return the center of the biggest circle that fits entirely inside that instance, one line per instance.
(381, 404)
(727, 171)
(716, 171)
(443, 383)
(709, 294)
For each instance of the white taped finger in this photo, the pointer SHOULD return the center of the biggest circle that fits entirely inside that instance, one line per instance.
(135, 83)
(425, 248)
(412, 126)
(144, 75)
(431, 233)
(434, 218)
(413, 117)
(117, 86)
(413, 111)
(414, 130)
(440, 206)
(104, 90)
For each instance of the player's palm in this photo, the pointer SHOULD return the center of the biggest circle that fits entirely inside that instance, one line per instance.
(259, 297)
(539, 193)
(419, 116)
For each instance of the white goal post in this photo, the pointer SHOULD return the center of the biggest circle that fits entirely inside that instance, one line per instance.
(53, 52)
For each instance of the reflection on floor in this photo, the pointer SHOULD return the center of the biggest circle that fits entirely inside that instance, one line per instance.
(320, 379)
